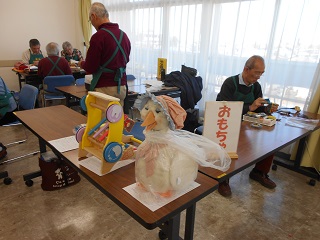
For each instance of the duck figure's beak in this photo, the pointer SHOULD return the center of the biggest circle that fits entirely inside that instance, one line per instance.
(149, 122)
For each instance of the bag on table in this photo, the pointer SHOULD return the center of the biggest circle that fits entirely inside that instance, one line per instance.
(57, 173)
(20, 65)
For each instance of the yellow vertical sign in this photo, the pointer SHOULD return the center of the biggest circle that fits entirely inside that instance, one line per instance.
(162, 64)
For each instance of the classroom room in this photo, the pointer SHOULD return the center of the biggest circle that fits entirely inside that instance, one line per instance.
(229, 45)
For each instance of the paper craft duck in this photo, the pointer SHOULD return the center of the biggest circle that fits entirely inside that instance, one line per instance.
(167, 160)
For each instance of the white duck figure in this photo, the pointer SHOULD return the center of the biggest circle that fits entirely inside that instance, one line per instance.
(161, 167)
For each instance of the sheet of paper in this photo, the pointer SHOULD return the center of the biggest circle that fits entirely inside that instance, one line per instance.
(154, 83)
(152, 201)
(65, 144)
(153, 88)
(94, 164)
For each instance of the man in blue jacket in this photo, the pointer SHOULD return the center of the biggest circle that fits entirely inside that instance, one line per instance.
(7, 104)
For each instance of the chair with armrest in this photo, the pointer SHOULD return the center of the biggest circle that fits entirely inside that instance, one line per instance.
(4, 174)
(49, 87)
(26, 100)
(6, 179)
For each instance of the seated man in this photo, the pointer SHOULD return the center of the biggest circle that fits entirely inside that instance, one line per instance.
(245, 87)
(53, 65)
(68, 52)
(33, 54)
(7, 104)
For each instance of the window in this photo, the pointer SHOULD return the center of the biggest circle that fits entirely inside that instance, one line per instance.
(217, 37)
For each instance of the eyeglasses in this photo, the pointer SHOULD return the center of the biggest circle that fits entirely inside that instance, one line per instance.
(260, 74)
(256, 73)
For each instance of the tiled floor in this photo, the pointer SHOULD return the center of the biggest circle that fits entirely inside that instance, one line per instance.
(291, 211)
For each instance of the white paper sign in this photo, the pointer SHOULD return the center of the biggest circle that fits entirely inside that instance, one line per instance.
(65, 144)
(222, 121)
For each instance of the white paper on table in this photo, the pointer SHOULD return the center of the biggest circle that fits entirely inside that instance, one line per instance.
(65, 144)
(94, 164)
(33, 68)
(154, 83)
(152, 201)
(153, 89)
(73, 61)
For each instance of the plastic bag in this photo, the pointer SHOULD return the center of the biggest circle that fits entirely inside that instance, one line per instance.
(308, 124)
(167, 163)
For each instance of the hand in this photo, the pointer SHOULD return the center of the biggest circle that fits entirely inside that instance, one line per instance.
(274, 107)
(80, 63)
(257, 103)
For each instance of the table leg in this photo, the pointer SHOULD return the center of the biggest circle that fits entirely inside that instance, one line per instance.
(42, 145)
(173, 228)
(300, 151)
(68, 100)
(295, 165)
(170, 229)
(190, 218)
(20, 80)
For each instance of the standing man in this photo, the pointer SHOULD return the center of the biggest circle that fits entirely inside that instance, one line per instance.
(33, 54)
(245, 87)
(107, 55)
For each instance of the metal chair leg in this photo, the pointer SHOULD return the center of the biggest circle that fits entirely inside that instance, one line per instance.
(16, 158)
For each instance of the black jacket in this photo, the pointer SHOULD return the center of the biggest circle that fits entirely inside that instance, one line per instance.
(190, 87)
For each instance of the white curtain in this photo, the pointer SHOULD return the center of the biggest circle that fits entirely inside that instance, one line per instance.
(217, 36)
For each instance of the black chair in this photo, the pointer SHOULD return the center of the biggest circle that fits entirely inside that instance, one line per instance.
(4, 174)
(7, 180)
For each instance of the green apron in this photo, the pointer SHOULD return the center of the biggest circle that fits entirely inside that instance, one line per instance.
(119, 72)
(55, 66)
(238, 96)
(35, 57)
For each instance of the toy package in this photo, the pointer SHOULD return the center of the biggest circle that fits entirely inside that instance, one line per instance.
(260, 118)
(167, 160)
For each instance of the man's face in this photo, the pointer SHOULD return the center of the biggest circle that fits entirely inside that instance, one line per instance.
(93, 20)
(69, 51)
(254, 74)
(35, 49)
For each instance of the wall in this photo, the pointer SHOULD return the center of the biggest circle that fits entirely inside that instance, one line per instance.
(46, 20)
